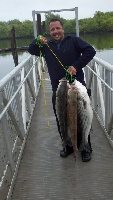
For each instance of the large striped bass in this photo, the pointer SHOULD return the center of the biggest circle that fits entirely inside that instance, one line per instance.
(74, 112)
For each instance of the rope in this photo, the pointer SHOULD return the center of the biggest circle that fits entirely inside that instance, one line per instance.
(68, 76)
(56, 57)
(44, 90)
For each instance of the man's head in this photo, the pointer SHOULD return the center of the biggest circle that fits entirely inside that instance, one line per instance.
(56, 29)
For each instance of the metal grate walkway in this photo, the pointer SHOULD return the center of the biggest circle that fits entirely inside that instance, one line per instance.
(44, 175)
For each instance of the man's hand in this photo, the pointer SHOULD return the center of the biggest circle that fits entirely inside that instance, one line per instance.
(71, 70)
(43, 40)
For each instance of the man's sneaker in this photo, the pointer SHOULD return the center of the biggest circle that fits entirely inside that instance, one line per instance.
(86, 154)
(66, 151)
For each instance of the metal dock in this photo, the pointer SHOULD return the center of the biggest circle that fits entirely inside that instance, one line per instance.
(43, 174)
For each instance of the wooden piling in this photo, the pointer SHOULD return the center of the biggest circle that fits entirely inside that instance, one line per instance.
(43, 27)
(39, 28)
(13, 46)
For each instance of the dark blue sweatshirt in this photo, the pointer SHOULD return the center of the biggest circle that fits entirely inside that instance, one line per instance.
(71, 51)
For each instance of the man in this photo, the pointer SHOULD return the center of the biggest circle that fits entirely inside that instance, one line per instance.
(64, 51)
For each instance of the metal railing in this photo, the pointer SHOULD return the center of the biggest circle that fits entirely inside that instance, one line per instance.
(99, 77)
(34, 12)
(18, 92)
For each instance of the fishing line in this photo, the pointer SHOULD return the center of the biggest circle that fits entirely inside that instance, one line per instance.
(44, 90)
(68, 76)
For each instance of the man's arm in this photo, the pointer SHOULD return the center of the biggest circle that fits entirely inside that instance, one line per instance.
(87, 53)
(34, 48)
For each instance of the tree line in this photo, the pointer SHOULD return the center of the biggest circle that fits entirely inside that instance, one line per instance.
(101, 22)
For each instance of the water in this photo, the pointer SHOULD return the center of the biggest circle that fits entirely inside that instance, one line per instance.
(6, 59)
(106, 55)
(102, 43)
(7, 62)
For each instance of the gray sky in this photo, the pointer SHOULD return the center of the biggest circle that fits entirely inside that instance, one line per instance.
(22, 9)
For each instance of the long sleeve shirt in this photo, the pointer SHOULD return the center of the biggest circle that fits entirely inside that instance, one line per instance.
(71, 51)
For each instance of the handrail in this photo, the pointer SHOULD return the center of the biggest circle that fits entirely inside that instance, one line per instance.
(18, 93)
(105, 64)
(99, 77)
(13, 73)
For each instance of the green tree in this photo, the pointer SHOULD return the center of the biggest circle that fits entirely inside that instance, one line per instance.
(99, 23)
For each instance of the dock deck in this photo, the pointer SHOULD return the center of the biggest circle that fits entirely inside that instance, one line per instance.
(44, 175)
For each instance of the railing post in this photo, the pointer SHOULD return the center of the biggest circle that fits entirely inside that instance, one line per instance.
(23, 100)
(77, 24)
(34, 24)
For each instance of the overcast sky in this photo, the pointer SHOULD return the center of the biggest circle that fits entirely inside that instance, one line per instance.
(22, 9)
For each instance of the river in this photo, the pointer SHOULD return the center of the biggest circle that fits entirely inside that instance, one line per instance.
(103, 43)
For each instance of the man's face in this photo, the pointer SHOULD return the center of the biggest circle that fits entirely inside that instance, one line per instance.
(56, 31)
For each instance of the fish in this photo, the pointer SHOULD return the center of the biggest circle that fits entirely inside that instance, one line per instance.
(72, 115)
(84, 113)
(75, 113)
(61, 110)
